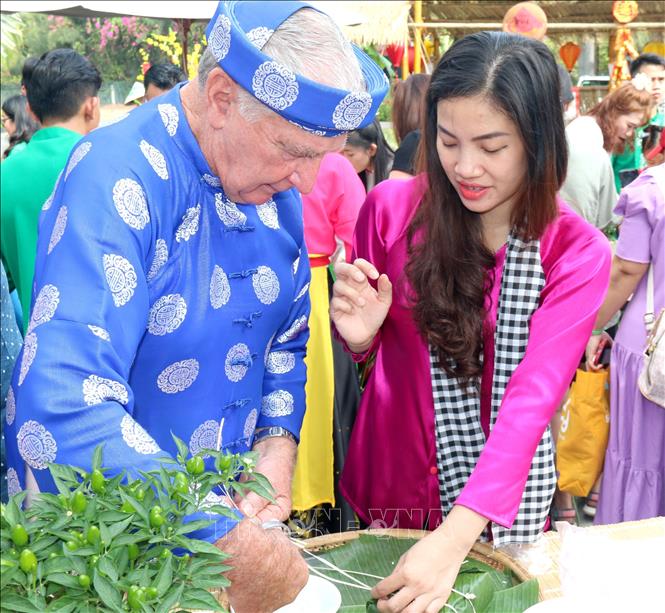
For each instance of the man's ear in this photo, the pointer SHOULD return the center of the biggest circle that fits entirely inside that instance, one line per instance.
(219, 95)
(90, 109)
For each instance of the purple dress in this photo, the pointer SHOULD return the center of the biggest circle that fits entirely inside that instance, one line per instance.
(633, 485)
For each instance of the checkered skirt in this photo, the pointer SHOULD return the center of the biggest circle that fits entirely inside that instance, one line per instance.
(459, 435)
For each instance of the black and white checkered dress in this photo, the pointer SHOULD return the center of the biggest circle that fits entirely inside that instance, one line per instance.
(459, 435)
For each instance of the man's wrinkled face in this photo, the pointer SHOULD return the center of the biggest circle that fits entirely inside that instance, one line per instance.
(255, 160)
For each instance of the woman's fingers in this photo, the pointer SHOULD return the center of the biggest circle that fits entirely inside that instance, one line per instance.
(340, 305)
(367, 268)
(341, 289)
(385, 290)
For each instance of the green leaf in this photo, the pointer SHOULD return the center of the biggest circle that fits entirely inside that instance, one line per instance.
(183, 450)
(119, 527)
(13, 514)
(107, 592)
(61, 564)
(65, 604)
(198, 524)
(63, 477)
(138, 507)
(107, 567)
(97, 457)
(164, 577)
(198, 599)
(64, 579)
(196, 546)
(517, 598)
(17, 604)
(171, 598)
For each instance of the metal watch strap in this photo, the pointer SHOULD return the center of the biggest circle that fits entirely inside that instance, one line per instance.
(271, 432)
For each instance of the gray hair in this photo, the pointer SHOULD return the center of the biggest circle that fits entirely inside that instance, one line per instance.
(310, 44)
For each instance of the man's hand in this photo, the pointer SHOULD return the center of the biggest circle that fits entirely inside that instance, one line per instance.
(277, 459)
(268, 571)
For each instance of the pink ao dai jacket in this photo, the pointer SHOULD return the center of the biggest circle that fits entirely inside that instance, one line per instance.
(390, 473)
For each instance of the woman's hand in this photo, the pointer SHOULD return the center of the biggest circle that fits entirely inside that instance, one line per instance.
(594, 348)
(424, 576)
(356, 308)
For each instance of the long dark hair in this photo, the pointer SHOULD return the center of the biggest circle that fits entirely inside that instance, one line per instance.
(383, 159)
(448, 260)
(16, 109)
(408, 104)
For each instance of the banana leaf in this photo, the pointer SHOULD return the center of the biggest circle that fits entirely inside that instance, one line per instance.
(494, 591)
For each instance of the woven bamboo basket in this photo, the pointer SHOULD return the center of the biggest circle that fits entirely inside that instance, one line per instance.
(480, 551)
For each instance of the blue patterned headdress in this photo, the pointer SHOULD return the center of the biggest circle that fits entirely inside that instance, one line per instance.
(236, 35)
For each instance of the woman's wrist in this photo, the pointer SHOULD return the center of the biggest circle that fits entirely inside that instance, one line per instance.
(361, 347)
(462, 527)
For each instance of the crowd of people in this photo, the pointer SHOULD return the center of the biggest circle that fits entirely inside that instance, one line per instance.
(222, 262)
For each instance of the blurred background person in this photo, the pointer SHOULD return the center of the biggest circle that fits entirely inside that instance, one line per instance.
(608, 127)
(330, 212)
(628, 164)
(62, 92)
(18, 123)
(633, 482)
(160, 78)
(407, 113)
(369, 152)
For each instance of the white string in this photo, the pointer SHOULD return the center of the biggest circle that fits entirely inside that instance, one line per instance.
(316, 571)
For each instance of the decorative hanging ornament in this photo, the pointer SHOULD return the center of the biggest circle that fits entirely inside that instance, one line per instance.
(623, 11)
(569, 54)
(526, 18)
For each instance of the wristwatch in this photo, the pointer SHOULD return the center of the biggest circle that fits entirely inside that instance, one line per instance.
(272, 432)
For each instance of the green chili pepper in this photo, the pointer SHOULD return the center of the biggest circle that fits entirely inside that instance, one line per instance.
(156, 517)
(181, 483)
(98, 481)
(78, 502)
(134, 598)
(151, 593)
(28, 561)
(84, 581)
(19, 535)
(93, 535)
(195, 465)
(72, 545)
(133, 551)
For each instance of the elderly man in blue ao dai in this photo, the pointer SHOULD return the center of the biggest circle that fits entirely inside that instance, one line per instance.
(171, 277)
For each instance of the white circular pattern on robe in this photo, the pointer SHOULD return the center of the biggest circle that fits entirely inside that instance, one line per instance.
(29, 353)
(36, 445)
(10, 406)
(45, 305)
(220, 38)
(266, 285)
(213, 499)
(130, 203)
(121, 277)
(189, 225)
(280, 362)
(296, 263)
(204, 437)
(259, 36)
(58, 228)
(296, 328)
(170, 117)
(211, 180)
(275, 85)
(13, 484)
(277, 404)
(155, 158)
(98, 389)
(137, 438)
(235, 372)
(302, 292)
(178, 376)
(49, 201)
(167, 314)
(79, 153)
(267, 213)
(220, 288)
(250, 423)
(351, 110)
(159, 259)
(229, 212)
(100, 332)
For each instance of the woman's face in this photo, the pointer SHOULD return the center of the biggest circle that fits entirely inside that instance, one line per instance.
(625, 127)
(481, 152)
(360, 157)
(9, 125)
